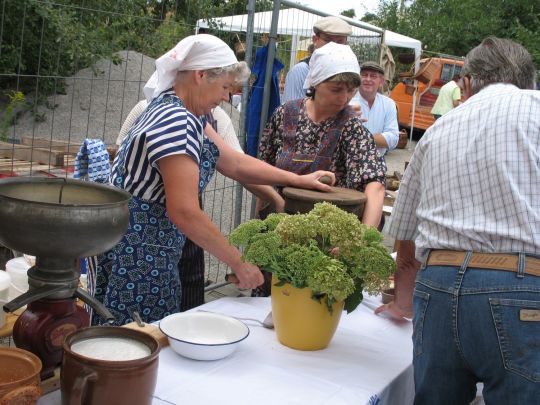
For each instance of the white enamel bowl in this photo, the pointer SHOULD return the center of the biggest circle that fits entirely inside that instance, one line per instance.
(203, 335)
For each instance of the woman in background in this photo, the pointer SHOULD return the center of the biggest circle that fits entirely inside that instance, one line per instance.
(322, 132)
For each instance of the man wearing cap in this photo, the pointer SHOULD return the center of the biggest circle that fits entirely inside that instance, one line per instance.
(379, 111)
(325, 30)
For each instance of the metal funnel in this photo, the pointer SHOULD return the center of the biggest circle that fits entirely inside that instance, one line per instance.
(61, 218)
(59, 221)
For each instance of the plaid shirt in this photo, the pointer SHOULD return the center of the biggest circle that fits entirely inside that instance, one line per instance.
(473, 182)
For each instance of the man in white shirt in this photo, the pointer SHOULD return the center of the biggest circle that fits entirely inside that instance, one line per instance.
(379, 111)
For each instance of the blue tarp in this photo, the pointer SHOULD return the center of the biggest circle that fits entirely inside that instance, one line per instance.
(254, 107)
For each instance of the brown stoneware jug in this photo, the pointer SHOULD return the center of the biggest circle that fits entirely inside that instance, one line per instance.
(109, 365)
(19, 377)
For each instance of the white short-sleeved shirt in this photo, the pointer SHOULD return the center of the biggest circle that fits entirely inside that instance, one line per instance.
(294, 82)
(381, 118)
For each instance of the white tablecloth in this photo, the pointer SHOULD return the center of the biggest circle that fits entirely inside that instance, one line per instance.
(367, 362)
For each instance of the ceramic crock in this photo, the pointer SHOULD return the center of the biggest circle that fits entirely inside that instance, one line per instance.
(91, 381)
(19, 376)
(301, 322)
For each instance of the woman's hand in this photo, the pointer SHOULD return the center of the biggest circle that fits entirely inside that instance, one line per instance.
(279, 204)
(247, 276)
(313, 181)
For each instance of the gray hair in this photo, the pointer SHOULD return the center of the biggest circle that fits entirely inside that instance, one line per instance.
(239, 70)
(499, 60)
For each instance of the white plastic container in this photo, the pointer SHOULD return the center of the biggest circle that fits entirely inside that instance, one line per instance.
(18, 270)
(5, 281)
(2, 315)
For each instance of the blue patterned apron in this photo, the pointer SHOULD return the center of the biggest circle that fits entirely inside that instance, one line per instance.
(141, 272)
(300, 163)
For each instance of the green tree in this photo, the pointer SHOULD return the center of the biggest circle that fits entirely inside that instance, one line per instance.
(349, 13)
(454, 27)
(43, 41)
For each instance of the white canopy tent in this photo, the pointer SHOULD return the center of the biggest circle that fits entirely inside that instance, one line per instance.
(299, 23)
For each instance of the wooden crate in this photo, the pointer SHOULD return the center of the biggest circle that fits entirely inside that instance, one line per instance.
(35, 154)
(38, 151)
(14, 167)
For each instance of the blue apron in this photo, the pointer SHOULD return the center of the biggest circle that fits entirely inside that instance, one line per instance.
(141, 272)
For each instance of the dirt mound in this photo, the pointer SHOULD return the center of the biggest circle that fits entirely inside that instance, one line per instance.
(97, 101)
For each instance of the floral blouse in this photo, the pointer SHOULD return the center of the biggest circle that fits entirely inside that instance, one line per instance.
(355, 162)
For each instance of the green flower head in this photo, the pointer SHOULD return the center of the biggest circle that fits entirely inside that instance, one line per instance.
(331, 279)
(242, 235)
(272, 220)
(327, 250)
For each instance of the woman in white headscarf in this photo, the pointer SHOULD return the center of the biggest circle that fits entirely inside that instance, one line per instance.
(321, 132)
(165, 162)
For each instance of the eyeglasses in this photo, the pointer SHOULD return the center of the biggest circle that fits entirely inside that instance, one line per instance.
(338, 39)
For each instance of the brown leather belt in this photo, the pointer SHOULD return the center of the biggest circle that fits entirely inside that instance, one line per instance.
(494, 261)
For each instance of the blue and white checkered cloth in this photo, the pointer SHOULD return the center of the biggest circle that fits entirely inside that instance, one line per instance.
(92, 161)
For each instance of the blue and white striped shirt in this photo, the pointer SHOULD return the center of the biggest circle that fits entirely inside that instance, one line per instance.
(165, 128)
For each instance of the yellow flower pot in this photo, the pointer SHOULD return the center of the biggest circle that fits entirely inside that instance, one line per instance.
(301, 322)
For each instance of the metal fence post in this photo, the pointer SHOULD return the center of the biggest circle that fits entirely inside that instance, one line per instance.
(268, 77)
(239, 192)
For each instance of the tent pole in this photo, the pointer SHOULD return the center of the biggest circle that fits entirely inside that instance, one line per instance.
(383, 40)
(413, 111)
(294, 50)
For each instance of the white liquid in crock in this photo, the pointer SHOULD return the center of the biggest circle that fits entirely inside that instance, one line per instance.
(111, 348)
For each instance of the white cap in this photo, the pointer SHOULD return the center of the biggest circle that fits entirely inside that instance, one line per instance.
(333, 25)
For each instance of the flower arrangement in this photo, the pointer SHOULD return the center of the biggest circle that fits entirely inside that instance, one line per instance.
(328, 250)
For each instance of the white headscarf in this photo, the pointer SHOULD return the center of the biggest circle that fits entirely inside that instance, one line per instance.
(196, 52)
(329, 60)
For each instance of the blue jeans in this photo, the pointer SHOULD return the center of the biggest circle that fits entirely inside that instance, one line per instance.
(467, 329)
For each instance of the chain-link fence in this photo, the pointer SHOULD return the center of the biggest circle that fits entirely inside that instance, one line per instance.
(71, 70)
